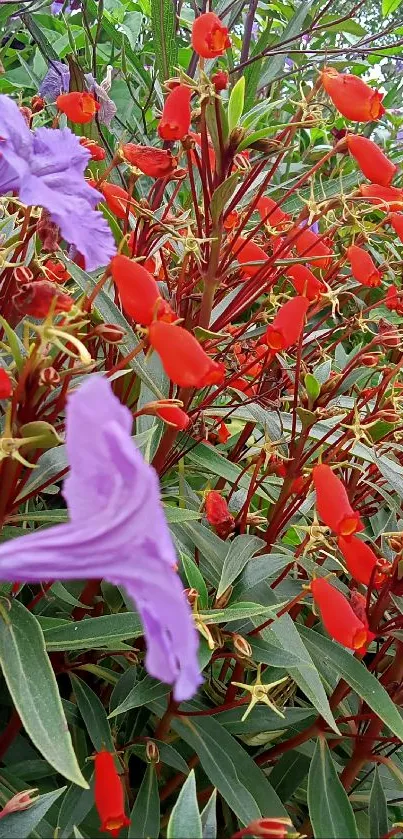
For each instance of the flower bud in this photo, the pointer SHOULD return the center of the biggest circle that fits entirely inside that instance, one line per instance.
(191, 595)
(389, 416)
(388, 335)
(36, 298)
(19, 801)
(152, 752)
(270, 828)
(241, 646)
(109, 332)
(220, 80)
(37, 104)
(218, 514)
(396, 543)
(222, 601)
(370, 359)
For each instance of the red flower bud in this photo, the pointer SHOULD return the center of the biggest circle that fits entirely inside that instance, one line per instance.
(363, 267)
(109, 798)
(175, 121)
(332, 502)
(249, 253)
(309, 245)
(6, 387)
(351, 96)
(287, 325)
(231, 220)
(109, 332)
(388, 334)
(271, 213)
(36, 298)
(305, 282)
(48, 232)
(156, 163)
(396, 220)
(173, 415)
(78, 107)
(268, 828)
(209, 36)
(96, 151)
(20, 801)
(116, 198)
(139, 292)
(183, 359)
(394, 299)
(387, 197)
(361, 561)
(55, 271)
(338, 618)
(372, 161)
(37, 104)
(223, 433)
(220, 80)
(218, 514)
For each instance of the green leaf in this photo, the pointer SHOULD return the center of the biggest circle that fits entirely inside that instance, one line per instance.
(390, 6)
(185, 818)
(236, 103)
(142, 692)
(175, 515)
(312, 386)
(240, 551)
(93, 714)
(195, 579)
(39, 37)
(273, 656)
(237, 611)
(209, 817)
(22, 825)
(165, 46)
(330, 811)
(76, 804)
(33, 688)
(378, 809)
(16, 347)
(93, 633)
(145, 815)
(331, 655)
(222, 195)
(131, 26)
(275, 63)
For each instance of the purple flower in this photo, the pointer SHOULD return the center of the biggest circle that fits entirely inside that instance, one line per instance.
(57, 80)
(65, 6)
(117, 531)
(46, 169)
(108, 108)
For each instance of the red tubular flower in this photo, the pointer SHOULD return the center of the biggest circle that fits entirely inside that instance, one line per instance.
(394, 300)
(361, 561)
(363, 267)
(55, 271)
(351, 96)
(332, 502)
(268, 828)
(387, 197)
(272, 213)
(287, 325)
(249, 253)
(175, 121)
(116, 198)
(183, 359)
(78, 107)
(396, 220)
(209, 36)
(156, 163)
(218, 514)
(223, 433)
(6, 387)
(36, 298)
(220, 80)
(311, 246)
(138, 291)
(305, 282)
(173, 415)
(109, 798)
(96, 151)
(338, 618)
(231, 220)
(372, 161)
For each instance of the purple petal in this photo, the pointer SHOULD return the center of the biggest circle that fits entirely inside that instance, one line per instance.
(57, 79)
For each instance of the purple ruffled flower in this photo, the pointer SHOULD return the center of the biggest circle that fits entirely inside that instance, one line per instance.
(46, 168)
(65, 6)
(56, 81)
(117, 531)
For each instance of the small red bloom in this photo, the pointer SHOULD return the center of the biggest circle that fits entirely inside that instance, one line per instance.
(387, 197)
(361, 561)
(394, 299)
(220, 80)
(183, 359)
(209, 36)
(351, 96)
(175, 121)
(36, 298)
(116, 198)
(96, 151)
(55, 271)
(338, 618)
(109, 797)
(271, 213)
(332, 502)
(287, 325)
(138, 291)
(372, 161)
(267, 828)
(37, 104)
(156, 163)
(231, 220)
(363, 267)
(78, 107)
(396, 220)
(218, 514)
(305, 282)
(173, 415)
(313, 248)
(249, 252)
(223, 433)
(6, 387)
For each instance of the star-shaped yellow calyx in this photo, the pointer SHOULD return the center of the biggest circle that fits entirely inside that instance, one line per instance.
(260, 693)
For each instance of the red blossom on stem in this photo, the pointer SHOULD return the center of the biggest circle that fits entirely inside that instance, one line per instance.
(109, 798)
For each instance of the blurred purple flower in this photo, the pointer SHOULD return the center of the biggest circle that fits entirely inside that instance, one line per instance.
(288, 63)
(108, 108)
(46, 169)
(255, 31)
(117, 531)
(57, 80)
(399, 135)
(315, 227)
(65, 6)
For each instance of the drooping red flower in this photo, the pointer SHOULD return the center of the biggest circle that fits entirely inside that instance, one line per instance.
(371, 159)
(332, 502)
(175, 121)
(351, 96)
(35, 299)
(116, 198)
(394, 299)
(56, 271)
(223, 433)
(78, 107)
(109, 797)
(361, 561)
(218, 514)
(6, 387)
(287, 325)
(173, 415)
(271, 213)
(305, 282)
(96, 151)
(387, 197)
(363, 267)
(338, 618)
(220, 80)
(156, 163)
(184, 360)
(138, 291)
(313, 248)
(396, 220)
(247, 251)
(209, 36)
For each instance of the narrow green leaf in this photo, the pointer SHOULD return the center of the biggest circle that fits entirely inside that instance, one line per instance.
(145, 815)
(236, 103)
(22, 825)
(312, 386)
(165, 46)
(240, 551)
(195, 579)
(16, 347)
(330, 811)
(185, 818)
(93, 714)
(378, 809)
(270, 654)
(390, 6)
(93, 633)
(142, 692)
(209, 817)
(33, 688)
(222, 195)
(275, 63)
